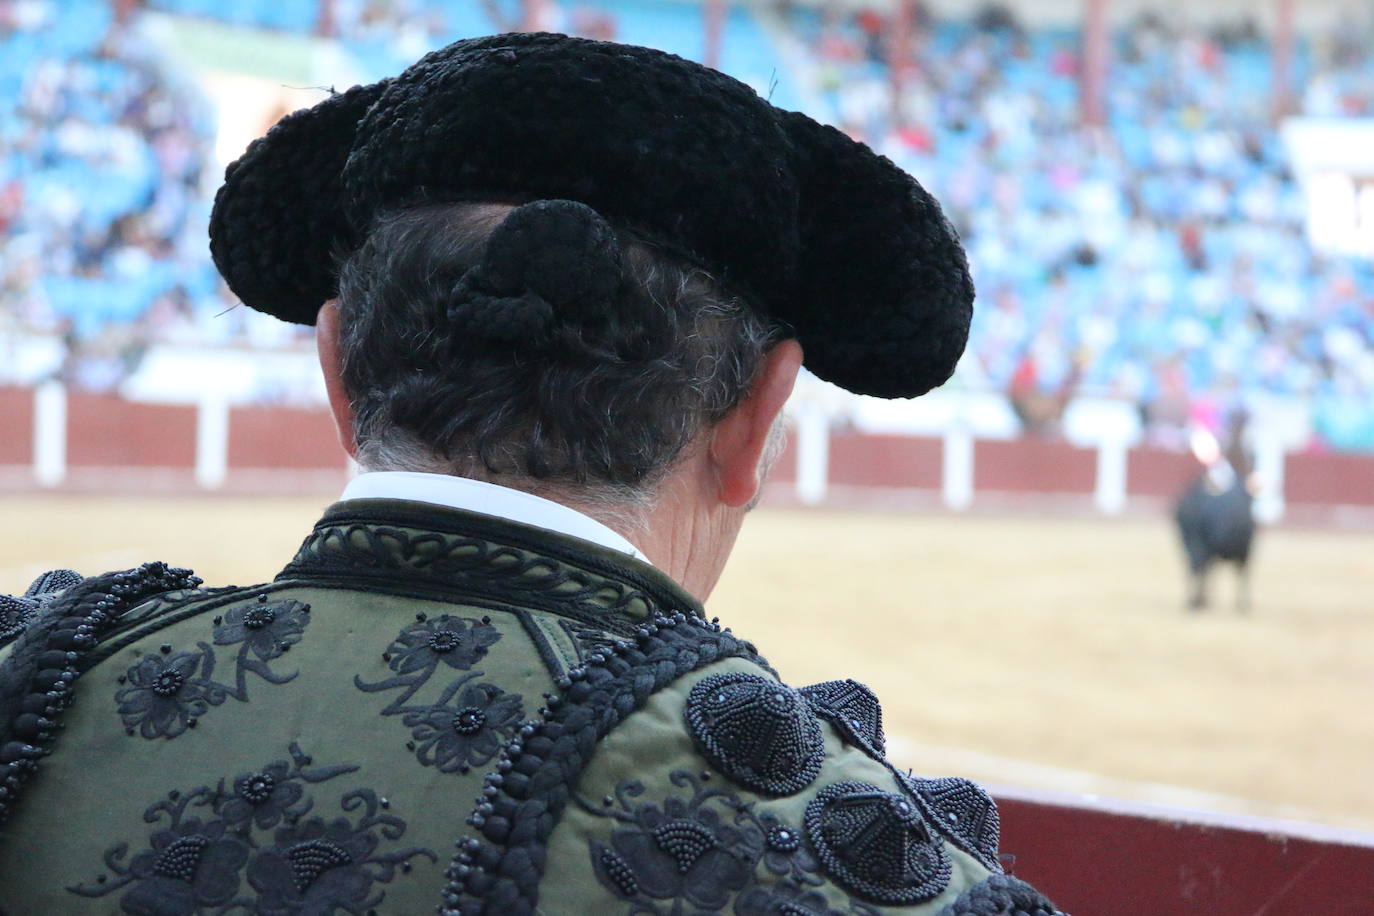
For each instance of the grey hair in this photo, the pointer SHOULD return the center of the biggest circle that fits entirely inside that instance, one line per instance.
(596, 421)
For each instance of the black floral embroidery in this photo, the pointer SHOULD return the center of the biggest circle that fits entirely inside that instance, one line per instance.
(266, 797)
(418, 651)
(785, 899)
(165, 694)
(263, 631)
(325, 867)
(190, 867)
(784, 853)
(466, 729)
(458, 731)
(703, 849)
(197, 862)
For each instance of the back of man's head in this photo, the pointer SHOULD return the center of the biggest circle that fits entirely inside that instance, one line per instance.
(537, 347)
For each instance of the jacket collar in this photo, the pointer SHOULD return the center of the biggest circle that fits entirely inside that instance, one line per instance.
(404, 547)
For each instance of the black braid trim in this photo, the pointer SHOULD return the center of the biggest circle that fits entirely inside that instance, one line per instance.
(37, 679)
(1001, 895)
(524, 800)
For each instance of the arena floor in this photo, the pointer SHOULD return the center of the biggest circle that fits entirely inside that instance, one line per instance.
(1044, 653)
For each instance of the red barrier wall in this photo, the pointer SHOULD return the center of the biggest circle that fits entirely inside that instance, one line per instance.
(106, 431)
(283, 437)
(16, 425)
(1034, 466)
(1155, 472)
(1096, 862)
(1346, 480)
(889, 461)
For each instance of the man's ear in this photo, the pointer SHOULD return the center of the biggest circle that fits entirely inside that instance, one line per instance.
(331, 364)
(738, 442)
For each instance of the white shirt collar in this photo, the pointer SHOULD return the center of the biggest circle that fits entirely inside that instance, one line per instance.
(488, 499)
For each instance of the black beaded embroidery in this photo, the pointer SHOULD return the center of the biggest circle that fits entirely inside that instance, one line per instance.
(51, 582)
(699, 849)
(18, 611)
(467, 727)
(758, 732)
(15, 614)
(37, 677)
(470, 721)
(783, 839)
(962, 811)
(213, 851)
(263, 630)
(790, 900)
(1001, 895)
(685, 850)
(457, 643)
(165, 694)
(876, 844)
(854, 711)
(525, 798)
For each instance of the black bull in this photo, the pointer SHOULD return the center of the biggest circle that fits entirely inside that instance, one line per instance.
(1216, 525)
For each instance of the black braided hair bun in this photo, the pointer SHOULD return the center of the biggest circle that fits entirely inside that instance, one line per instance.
(548, 263)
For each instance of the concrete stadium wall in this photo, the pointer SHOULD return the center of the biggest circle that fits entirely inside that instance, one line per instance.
(52, 438)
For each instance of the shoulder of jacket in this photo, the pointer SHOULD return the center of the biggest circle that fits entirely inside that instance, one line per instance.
(678, 771)
(62, 627)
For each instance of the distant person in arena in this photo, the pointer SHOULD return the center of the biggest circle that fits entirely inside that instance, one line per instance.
(562, 290)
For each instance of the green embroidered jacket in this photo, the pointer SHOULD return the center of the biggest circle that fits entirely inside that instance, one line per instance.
(433, 709)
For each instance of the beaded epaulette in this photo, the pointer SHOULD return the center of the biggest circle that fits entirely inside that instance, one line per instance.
(37, 679)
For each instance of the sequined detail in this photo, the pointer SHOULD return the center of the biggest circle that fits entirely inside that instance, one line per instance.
(168, 683)
(469, 721)
(876, 844)
(259, 617)
(854, 711)
(444, 641)
(760, 733)
(256, 788)
(783, 839)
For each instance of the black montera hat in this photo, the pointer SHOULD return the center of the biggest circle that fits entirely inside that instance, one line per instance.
(809, 227)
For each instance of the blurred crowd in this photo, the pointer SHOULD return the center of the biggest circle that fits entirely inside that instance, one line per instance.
(103, 195)
(1159, 257)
